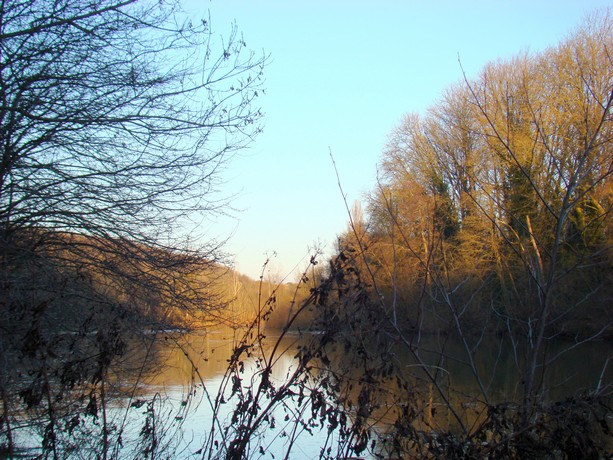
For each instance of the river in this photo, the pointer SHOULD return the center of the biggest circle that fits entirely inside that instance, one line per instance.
(191, 368)
(183, 403)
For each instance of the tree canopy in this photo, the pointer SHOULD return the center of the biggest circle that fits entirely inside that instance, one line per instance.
(492, 213)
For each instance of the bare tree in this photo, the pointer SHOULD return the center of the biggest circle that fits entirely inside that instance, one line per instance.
(115, 119)
(116, 116)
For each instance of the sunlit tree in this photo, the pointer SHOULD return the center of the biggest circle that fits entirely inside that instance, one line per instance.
(512, 171)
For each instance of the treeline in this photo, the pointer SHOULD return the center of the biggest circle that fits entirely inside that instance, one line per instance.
(247, 300)
(485, 250)
(494, 207)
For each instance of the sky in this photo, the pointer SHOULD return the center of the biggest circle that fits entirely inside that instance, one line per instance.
(341, 76)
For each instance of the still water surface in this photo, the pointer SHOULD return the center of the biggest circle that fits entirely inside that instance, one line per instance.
(187, 369)
(190, 369)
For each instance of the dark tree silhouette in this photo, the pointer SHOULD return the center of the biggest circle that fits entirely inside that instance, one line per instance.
(115, 119)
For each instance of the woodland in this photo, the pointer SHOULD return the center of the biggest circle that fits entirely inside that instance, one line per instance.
(496, 204)
(489, 229)
(492, 218)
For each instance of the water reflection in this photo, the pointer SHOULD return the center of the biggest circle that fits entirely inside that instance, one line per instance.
(174, 401)
(189, 369)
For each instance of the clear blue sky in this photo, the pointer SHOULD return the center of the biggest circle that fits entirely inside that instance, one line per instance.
(341, 76)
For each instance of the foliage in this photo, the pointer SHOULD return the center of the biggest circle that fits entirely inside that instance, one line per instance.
(501, 194)
(491, 223)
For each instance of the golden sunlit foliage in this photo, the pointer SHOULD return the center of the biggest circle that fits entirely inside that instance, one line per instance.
(500, 195)
(491, 220)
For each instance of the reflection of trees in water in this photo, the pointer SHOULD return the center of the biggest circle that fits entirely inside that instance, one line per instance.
(496, 364)
(370, 391)
(451, 395)
(357, 381)
(179, 355)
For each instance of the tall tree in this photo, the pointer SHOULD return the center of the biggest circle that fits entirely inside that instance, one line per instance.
(519, 163)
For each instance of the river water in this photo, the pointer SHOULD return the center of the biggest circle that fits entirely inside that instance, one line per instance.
(189, 372)
(173, 405)
(190, 368)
